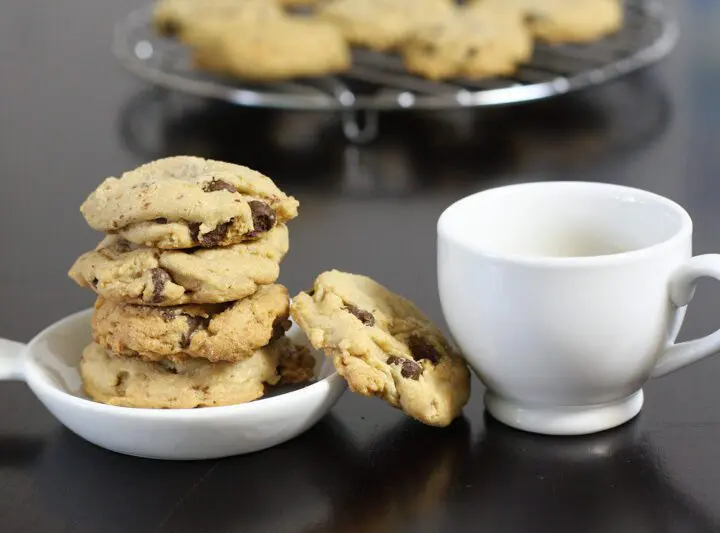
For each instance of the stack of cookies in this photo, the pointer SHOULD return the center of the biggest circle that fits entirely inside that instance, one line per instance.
(188, 312)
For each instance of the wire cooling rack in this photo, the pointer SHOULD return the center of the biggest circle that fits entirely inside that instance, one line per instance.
(378, 81)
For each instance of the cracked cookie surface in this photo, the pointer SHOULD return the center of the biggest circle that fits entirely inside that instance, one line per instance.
(132, 382)
(186, 202)
(384, 346)
(121, 271)
(216, 332)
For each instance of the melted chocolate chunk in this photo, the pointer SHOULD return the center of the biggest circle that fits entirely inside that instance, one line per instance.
(121, 383)
(422, 349)
(216, 236)
(168, 366)
(218, 185)
(263, 218)
(159, 279)
(161, 220)
(170, 28)
(194, 323)
(194, 228)
(122, 246)
(167, 315)
(363, 316)
(280, 326)
(410, 369)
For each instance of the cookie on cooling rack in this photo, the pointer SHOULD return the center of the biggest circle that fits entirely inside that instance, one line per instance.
(472, 43)
(383, 24)
(173, 17)
(279, 49)
(565, 21)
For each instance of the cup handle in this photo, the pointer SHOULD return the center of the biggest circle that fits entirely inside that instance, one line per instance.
(11, 360)
(681, 289)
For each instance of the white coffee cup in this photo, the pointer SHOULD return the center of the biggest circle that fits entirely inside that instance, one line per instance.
(565, 298)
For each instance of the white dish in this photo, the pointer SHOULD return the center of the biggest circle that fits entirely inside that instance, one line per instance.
(49, 366)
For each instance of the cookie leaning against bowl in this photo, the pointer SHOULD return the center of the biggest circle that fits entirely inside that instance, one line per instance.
(172, 18)
(130, 382)
(277, 50)
(472, 43)
(382, 24)
(185, 202)
(121, 271)
(384, 346)
(216, 332)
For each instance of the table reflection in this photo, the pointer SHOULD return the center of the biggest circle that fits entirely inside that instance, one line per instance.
(611, 481)
(415, 150)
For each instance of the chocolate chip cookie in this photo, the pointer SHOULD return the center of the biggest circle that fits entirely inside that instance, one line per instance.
(382, 24)
(216, 332)
(132, 382)
(384, 346)
(186, 202)
(172, 18)
(121, 271)
(472, 43)
(566, 21)
(279, 49)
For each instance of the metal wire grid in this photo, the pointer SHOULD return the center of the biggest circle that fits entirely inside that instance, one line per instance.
(378, 81)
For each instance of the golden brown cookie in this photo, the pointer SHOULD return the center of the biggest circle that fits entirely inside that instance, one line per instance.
(172, 18)
(125, 272)
(185, 201)
(132, 382)
(216, 332)
(472, 43)
(383, 24)
(279, 49)
(566, 21)
(384, 346)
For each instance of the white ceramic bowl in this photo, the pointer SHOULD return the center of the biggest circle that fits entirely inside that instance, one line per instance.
(49, 365)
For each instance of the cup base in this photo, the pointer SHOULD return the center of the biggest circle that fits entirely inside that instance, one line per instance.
(563, 420)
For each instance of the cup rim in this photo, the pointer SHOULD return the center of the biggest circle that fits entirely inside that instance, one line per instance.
(685, 230)
(320, 388)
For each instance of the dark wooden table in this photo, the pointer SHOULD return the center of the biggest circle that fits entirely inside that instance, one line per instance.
(69, 116)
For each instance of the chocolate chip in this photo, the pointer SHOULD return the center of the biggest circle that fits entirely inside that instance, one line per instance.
(216, 236)
(218, 185)
(123, 246)
(410, 369)
(422, 349)
(194, 228)
(161, 220)
(94, 283)
(170, 28)
(311, 292)
(280, 326)
(194, 323)
(168, 366)
(159, 278)
(363, 316)
(263, 217)
(121, 383)
(167, 315)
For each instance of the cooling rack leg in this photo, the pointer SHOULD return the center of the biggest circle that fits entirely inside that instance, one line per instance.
(360, 126)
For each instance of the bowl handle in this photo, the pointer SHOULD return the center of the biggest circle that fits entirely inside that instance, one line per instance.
(11, 360)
